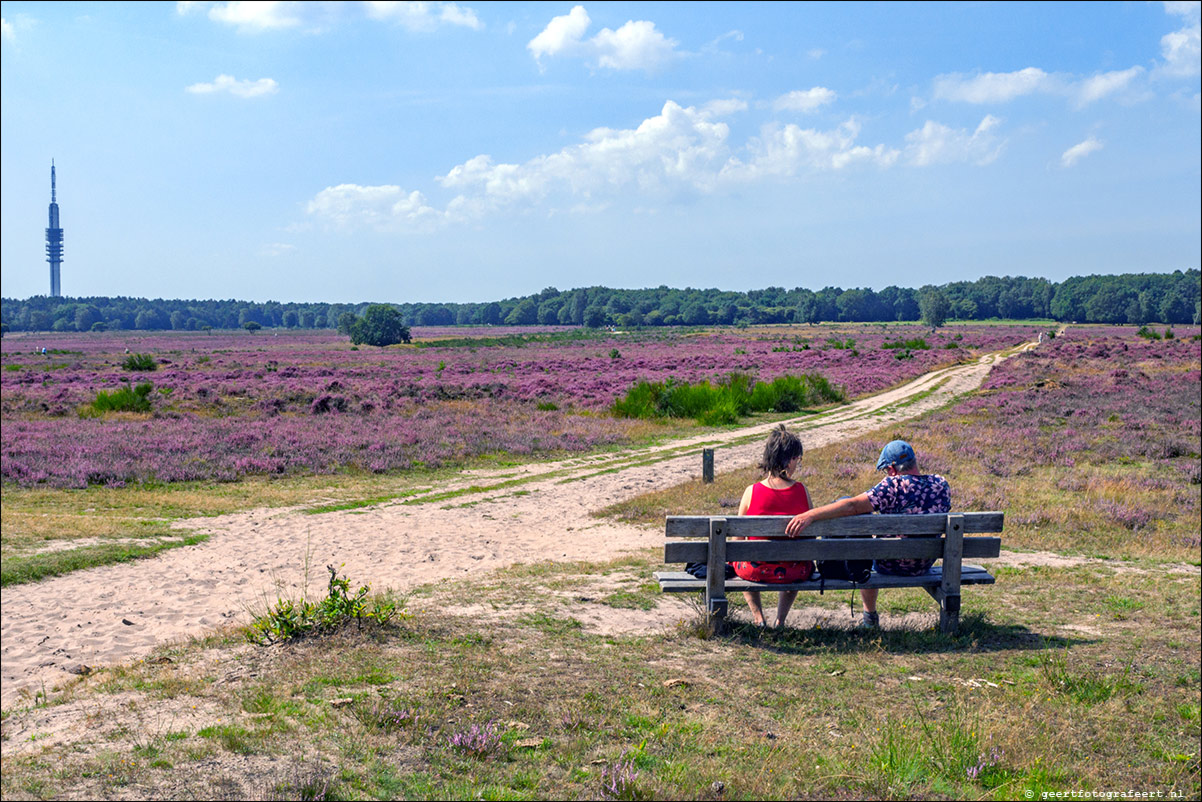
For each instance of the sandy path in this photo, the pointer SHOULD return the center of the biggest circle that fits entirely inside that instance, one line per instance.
(118, 613)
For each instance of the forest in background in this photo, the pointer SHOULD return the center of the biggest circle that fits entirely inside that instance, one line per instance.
(1138, 298)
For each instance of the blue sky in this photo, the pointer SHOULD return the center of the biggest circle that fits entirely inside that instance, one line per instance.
(461, 152)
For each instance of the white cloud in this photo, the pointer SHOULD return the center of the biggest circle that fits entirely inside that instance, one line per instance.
(1106, 83)
(992, 87)
(936, 143)
(680, 149)
(256, 16)
(723, 108)
(563, 34)
(381, 207)
(249, 15)
(6, 30)
(816, 53)
(1002, 87)
(418, 16)
(678, 153)
(243, 88)
(804, 100)
(1079, 151)
(787, 150)
(637, 45)
(1182, 49)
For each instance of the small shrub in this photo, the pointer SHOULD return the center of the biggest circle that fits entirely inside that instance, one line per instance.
(1147, 333)
(1168, 334)
(477, 740)
(546, 406)
(125, 399)
(288, 620)
(615, 354)
(140, 362)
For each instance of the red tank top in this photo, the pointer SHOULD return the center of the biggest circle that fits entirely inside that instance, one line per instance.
(767, 501)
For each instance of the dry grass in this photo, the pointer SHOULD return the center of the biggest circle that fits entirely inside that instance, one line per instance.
(1053, 665)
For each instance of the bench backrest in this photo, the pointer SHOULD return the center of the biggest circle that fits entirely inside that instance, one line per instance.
(840, 538)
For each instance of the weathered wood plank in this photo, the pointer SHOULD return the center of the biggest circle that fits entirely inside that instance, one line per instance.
(842, 549)
(953, 550)
(854, 526)
(715, 591)
(680, 582)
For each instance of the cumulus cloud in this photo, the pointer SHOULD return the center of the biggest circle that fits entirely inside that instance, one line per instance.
(424, 16)
(992, 87)
(782, 151)
(637, 45)
(6, 30)
(1182, 49)
(804, 100)
(256, 16)
(680, 149)
(1079, 151)
(681, 152)
(243, 88)
(247, 15)
(382, 207)
(936, 143)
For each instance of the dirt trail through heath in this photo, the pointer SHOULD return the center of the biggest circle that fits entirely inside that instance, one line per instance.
(118, 613)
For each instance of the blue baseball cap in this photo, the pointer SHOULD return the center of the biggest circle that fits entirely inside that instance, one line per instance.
(896, 453)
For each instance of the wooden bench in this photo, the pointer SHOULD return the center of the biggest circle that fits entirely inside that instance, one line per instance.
(861, 537)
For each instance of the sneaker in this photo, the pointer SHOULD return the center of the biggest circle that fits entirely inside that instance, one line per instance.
(870, 620)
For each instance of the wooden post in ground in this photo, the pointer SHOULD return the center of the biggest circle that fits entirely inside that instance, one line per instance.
(707, 465)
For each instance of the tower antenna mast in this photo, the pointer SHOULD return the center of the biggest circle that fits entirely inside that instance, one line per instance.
(54, 239)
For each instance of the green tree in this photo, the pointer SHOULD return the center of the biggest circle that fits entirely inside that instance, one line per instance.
(934, 307)
(346, 321)
(594, 317)
(381, 324)
(524, 314)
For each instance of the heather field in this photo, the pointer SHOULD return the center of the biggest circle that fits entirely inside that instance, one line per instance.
(1090, 444)
(222, 406)
(1077, 675)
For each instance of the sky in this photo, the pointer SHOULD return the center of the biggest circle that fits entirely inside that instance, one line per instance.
(466, 152)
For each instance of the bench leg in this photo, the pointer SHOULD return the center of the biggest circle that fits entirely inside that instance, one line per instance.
(717, 614)
(949, 614)
(949, 609)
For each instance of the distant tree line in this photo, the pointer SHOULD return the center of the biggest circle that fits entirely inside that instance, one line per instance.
(1137, 298)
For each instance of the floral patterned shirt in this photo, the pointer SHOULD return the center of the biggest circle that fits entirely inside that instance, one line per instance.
(910, 495)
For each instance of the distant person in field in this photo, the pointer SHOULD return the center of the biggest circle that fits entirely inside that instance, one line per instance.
(776, 494)
(905, 491)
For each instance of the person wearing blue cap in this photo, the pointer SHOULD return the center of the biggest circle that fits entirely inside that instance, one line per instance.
(904, 491)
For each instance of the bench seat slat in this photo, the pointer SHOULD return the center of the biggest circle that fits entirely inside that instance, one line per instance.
(857, 525)
(839, 549)
(680, 582)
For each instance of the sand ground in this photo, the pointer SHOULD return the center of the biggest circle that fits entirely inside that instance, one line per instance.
(118, 613)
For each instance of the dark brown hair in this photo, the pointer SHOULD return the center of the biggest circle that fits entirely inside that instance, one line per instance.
(782, 447)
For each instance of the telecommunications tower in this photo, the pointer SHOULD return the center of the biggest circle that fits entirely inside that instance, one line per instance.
(54, 240)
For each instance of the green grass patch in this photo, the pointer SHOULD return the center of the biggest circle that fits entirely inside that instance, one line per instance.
(32, 567)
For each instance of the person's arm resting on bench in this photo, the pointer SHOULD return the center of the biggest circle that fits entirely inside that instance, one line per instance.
(856, 505)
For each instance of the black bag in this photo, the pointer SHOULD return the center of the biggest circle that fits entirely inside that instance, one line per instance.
(852, 570)
(700, 570)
